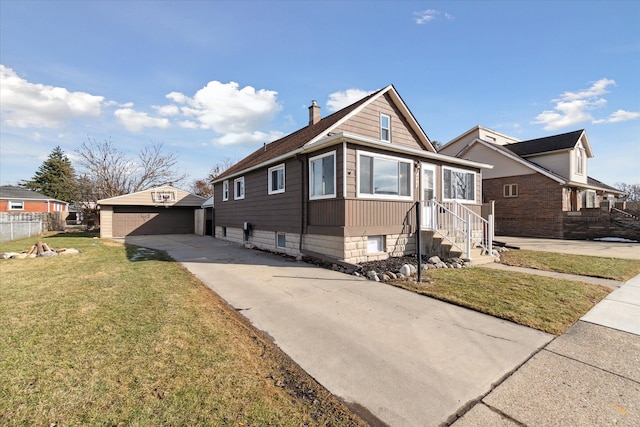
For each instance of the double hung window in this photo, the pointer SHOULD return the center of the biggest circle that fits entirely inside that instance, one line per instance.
(385, 128)
(276, 179)
(238, 188)
(225, 191)
(322, 176)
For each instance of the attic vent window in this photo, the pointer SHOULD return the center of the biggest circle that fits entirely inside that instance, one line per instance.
(163, 196)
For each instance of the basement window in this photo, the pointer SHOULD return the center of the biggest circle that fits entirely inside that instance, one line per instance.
(510, 190)
(375, 244)
(281, 241)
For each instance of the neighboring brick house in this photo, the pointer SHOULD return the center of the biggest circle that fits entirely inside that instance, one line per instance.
(21, 200)
(345, 186)
(538, 186)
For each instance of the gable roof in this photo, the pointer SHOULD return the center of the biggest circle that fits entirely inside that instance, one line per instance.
(564, 141)
(145, 198)
(310, 134)
(13, 192)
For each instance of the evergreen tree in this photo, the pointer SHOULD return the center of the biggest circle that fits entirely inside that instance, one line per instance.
(55, 178)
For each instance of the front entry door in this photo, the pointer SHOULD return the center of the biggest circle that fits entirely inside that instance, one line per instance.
(428, 193)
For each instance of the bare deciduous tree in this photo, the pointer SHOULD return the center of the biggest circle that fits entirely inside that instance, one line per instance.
(109, 172)
(204, 187)
(632, 191)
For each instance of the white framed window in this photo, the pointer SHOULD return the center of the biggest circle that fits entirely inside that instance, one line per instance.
(580, 161)
(375, 244)
(458, 184)
(238, 188)
(322, 176)
(382, 176)
(16, 205)
(163, 196)
(276, 179)
(281, 241)
(225, 190)
(510, 190)
(385, 127)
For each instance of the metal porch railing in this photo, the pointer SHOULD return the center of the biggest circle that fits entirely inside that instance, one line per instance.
(460, 226)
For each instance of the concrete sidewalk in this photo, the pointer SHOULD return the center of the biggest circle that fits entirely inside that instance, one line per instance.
(396, 357)
(588, 376)
(592, 280)
(579, 247)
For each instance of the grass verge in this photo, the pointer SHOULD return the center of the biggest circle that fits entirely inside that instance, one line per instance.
(606, 268)
(98, 339)
(543, 303)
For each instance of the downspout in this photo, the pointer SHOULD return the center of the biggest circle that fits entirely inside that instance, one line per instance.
(303, 209)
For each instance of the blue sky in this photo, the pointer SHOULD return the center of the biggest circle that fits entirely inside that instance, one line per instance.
(212, 81)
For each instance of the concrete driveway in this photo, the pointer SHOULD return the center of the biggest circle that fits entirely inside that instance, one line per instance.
(394, 356)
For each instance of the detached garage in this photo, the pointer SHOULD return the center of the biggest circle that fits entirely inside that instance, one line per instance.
(162, 210)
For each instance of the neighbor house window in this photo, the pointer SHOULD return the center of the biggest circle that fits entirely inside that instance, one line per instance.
(276, 179)
(281, 241)
(458, 185)
(375, 244)
(15, 205)
(322, 176)
(238, 188)
(385, 128)
(510, 190)
(580, 161)
(225, 191)
(383, 176)
(588, 198)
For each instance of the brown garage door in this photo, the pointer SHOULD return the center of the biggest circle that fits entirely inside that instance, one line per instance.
(140, 220)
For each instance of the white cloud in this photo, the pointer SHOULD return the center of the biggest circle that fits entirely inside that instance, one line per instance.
(135, 121)
(227, 108)
(619, 116)
(26, 104)
(428, 15)
(573, 108)
(247, 138)
(341, 99)
(166, 110)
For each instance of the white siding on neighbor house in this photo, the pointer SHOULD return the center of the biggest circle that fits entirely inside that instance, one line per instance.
(454, 147)
(502, 165)
(575, 176)
(560, 162)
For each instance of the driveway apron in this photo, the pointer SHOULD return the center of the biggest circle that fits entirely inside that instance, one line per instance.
(407, 359)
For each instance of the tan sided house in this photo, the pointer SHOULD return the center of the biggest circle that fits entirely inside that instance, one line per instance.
(161, 210)
(541, 187)
(345, 187)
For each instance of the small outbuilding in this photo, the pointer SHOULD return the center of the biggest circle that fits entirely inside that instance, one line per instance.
(161, 210)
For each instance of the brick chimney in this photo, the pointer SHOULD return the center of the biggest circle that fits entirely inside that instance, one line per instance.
(314, 113)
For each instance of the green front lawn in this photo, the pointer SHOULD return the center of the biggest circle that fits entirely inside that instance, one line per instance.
(98, 339)
(543, 303)
(607, 268)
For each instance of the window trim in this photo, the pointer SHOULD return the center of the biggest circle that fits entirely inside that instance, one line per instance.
(580, 161)
(359, 194)
(335, 177)
(272, 169)
(236, 196)
(475, 184)
(508, 190)
(12, 208)
(284, 236)
(388, 128)
(225, 190)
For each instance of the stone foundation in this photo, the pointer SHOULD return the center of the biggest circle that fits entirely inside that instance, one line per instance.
(350, 249)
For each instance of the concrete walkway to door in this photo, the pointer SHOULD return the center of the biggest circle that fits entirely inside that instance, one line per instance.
(405, 358)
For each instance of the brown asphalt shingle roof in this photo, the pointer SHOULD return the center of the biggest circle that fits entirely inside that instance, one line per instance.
(293, 141)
